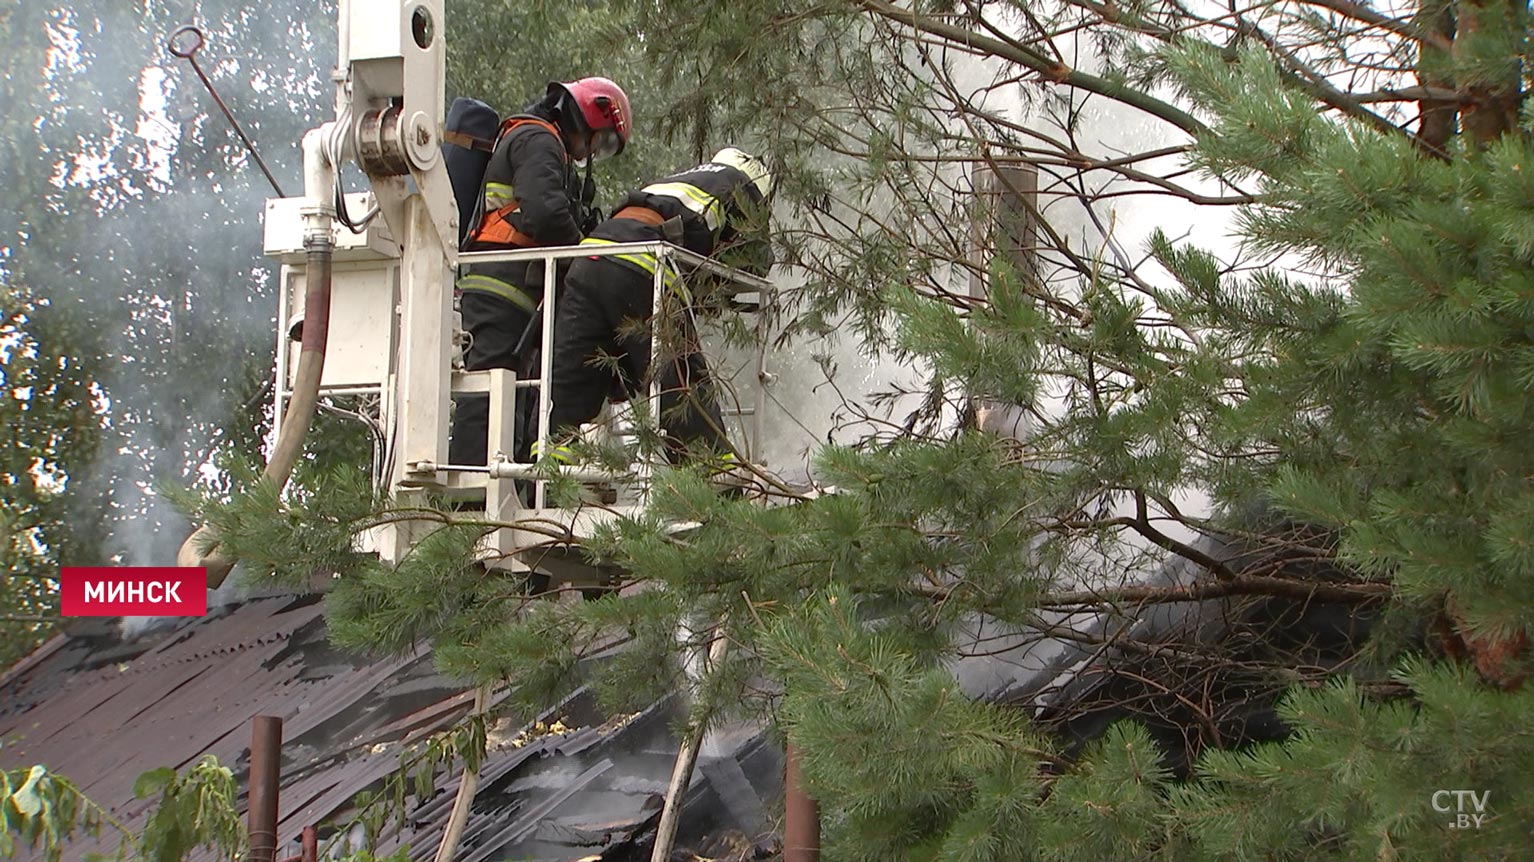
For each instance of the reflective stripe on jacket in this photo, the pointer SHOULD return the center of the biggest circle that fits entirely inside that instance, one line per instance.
(719, 206)
(476, 282)
(693, 198)
(643, 260)
(530, 191)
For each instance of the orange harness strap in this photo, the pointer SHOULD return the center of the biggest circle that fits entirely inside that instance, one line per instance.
(644, 214)
(496, 226)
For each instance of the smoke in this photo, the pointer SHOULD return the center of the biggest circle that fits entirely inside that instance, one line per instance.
(143, 539)
(168, 265)
(132, 628)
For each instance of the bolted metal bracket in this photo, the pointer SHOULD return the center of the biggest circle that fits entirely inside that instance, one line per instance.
(420, 138)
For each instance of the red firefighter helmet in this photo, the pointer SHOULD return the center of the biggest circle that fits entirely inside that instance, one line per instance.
(604, 107)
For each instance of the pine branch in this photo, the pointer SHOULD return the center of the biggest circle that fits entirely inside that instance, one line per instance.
(1141, 524)
(1302, 75)
(1238, 585)
(1057, 72)
(1241, 585)
(1359, 12)
(1441, 95)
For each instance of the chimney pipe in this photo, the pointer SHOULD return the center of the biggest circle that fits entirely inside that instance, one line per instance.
(310, 845)
(265, 766)
(801, 815)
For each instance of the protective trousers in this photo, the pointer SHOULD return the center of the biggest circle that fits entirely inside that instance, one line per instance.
(603, 321)
(495, 327)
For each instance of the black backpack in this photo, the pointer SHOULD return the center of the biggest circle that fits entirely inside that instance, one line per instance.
(468, 142)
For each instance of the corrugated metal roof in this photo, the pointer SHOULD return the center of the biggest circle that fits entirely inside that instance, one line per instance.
(101, 710)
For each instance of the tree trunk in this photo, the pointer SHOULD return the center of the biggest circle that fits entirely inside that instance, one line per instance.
(1489, 99)
(1437, 119)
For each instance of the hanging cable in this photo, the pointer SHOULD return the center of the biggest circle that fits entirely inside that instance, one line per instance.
(178, 46)
(375, 437)
(335, 146)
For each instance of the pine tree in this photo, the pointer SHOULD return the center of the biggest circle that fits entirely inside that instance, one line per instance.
(1336, 413)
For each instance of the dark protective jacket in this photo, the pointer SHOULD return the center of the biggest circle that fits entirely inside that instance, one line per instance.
(723, 216)
(530, 167)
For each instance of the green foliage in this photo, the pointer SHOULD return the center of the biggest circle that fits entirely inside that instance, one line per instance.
(49, 419)
(136, 306)
(422, 767)
(913, 757)
(1428, 356)
(993, 351)
(506, 54)
(400, 855)
(198, 811)
(294, 538)
(200, 808)
(1113, 804)
(1358, 778)
(41, 812)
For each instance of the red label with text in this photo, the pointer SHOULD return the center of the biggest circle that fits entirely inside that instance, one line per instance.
(133, 591)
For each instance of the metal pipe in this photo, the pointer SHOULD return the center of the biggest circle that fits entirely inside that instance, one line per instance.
(280, 391)
(546, 369)
(801, 815)
(342, 72)
(530, 472)
(652, 397)
(265, 778)
(473, 383)
(309, 845)
(189, 54)
(534, 472)
(687, 258)
(768, 300)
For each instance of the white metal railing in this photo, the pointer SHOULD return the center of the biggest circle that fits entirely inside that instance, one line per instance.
(669, 259)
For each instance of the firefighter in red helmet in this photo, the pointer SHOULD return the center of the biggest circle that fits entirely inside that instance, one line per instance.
(532, 196)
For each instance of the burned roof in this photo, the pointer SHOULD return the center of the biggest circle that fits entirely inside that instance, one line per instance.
(102, 708)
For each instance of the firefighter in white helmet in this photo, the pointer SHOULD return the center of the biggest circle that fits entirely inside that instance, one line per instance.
(717, 209)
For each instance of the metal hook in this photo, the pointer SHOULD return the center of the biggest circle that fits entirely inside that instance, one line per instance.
(190, 55)
(172, 44)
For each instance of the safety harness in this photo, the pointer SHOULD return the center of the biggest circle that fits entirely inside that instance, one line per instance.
(496, 227)
(643, 260)
(500, 198)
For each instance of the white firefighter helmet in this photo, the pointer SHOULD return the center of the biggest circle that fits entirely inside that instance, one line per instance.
(747, 164)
